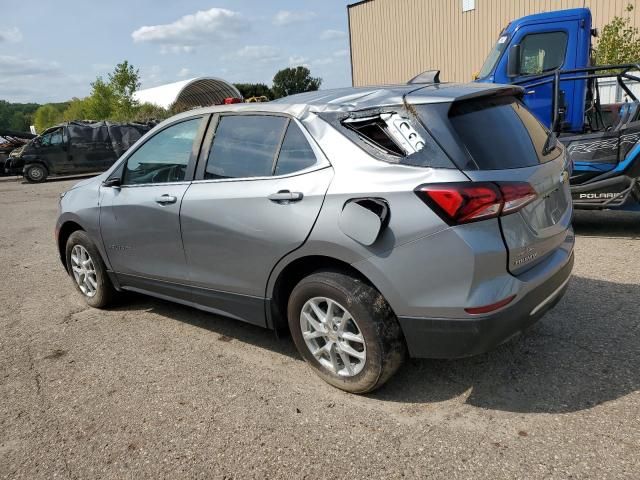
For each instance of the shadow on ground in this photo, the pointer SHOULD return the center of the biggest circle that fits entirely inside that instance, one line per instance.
(608, 223)
(583, 353)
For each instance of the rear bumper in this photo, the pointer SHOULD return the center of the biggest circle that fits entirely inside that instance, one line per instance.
(455, 338)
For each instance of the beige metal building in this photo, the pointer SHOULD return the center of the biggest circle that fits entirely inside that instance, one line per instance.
(394, 40)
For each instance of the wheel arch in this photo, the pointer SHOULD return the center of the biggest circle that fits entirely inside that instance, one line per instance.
(66, 229)
(284, 281)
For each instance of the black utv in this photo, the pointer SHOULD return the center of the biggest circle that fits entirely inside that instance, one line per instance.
(74, 148)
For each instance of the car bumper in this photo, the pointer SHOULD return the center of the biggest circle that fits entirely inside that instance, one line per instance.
(456, 338)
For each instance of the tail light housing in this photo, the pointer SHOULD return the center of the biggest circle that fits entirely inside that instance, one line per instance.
(466, 202)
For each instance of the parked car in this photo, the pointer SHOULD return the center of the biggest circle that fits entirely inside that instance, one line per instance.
(370, 222)
(74, 148)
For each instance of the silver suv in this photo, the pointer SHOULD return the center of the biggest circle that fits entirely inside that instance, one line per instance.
(433, 220)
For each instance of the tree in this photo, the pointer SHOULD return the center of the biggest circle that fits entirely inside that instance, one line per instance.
(248, 90)
(47, 116)
(16, 116)
(78, 109)
(100, 104)
(147, 112)
(290, 81)
(619, 42)
(124, 81)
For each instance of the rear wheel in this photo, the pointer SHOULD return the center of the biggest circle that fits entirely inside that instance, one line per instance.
(88, 271)
(35, 173)
(346, 331)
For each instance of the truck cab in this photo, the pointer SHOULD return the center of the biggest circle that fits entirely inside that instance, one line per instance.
(549, 56)
(535, 46)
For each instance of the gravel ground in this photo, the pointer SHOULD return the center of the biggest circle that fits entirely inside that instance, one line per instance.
(155, 390)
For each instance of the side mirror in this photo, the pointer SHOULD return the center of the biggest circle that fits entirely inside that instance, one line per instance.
(113, 182)
(513, 61)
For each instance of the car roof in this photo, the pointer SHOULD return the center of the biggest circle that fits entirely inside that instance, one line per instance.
(363, 98)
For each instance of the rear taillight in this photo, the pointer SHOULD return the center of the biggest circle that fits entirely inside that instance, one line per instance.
(516, 195)
(466, 202)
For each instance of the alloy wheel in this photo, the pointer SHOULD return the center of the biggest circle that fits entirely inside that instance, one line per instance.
(333, 337)
(84, 271)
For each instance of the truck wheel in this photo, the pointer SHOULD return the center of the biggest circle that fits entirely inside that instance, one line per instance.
(88, 271)
(346, 331)
(36, 173)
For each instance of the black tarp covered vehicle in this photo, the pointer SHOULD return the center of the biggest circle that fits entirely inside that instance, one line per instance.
(74, 148)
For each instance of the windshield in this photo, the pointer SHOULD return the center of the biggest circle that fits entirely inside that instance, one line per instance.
(494, 56)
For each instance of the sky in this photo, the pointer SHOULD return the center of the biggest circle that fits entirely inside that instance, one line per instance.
(52, 51)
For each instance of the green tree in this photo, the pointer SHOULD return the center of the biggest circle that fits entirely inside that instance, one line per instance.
(101, 102)
(47, 116)
(619, 42)
(19, 121)
(16, 116)
(147, 112)
(78, 109)
(248, 90)
(290, 81)
(124, 81)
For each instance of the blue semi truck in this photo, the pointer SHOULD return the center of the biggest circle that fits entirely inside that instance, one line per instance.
(550, 56)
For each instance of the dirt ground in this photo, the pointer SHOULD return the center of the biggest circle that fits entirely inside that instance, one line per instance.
(155, 390)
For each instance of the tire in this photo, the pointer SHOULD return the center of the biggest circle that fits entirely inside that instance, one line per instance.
(383, 343)
(36, 173)
(100, 295)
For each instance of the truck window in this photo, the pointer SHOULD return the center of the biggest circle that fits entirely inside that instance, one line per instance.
(53, 138)
(542, 52)
(494, 56)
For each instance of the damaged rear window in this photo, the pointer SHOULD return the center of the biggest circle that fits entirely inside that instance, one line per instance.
(392, 135)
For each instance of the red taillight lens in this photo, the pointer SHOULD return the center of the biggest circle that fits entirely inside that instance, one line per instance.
(516, 195)
(230, 100)
(465, 202)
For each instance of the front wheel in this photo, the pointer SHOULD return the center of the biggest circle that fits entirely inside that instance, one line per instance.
(36, 173)
(346, 331)
(88, 271)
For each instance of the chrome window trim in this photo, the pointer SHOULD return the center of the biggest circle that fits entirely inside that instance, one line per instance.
(313, 168)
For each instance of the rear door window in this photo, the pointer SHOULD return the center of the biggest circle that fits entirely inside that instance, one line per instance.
(245, 146)
(296, 153)
(500, 133)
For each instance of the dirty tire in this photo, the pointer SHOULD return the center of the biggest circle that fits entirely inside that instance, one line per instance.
(105, 293)
(36, 173)
(385, 344)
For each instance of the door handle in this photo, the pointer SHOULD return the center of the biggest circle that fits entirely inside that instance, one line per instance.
(166, 199)
(285, 196)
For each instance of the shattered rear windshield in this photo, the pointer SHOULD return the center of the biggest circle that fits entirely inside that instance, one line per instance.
(391, 134)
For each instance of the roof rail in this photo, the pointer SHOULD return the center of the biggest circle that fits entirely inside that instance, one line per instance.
(428, 76)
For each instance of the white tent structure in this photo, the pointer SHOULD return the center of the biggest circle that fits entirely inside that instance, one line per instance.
(187, 94)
